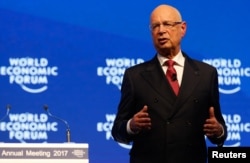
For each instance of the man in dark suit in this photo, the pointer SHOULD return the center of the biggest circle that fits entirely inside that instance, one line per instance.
(169, 124)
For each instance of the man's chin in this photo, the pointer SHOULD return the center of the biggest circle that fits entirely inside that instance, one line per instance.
(164, 48)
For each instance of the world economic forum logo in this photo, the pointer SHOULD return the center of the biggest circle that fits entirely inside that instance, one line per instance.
(115, 68)
(236, 127)
(30, 73)
(28, 127)
(230, 72)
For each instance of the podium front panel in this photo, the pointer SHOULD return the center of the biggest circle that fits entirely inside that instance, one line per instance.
(46, 152)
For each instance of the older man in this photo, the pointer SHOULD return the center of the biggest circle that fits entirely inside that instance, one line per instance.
(170, 103)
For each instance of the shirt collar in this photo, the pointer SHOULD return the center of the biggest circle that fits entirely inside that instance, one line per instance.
(179, 59)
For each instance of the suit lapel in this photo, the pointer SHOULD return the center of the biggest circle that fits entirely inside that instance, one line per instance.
(154, 75)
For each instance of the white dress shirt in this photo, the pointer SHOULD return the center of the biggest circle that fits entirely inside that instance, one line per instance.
(179, 65)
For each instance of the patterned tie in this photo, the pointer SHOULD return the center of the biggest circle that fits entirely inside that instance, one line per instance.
(172, 76)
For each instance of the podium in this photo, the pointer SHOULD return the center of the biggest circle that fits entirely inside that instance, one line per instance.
(43, 152)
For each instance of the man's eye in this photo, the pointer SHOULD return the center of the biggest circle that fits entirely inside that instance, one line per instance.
(155, 26)
(167, 24)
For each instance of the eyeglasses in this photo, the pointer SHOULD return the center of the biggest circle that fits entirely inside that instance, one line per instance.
(166, 25)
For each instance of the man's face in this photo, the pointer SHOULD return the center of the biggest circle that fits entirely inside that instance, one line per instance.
(167, 31)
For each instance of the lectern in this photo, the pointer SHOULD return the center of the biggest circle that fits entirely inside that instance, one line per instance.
(43, 153)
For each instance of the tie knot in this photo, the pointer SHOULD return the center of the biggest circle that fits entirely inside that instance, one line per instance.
(170, 63)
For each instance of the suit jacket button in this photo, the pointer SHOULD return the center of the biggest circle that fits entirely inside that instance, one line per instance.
(188, 123)
(156, 100)
(196, 100)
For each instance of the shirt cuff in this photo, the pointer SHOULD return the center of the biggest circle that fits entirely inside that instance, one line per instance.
(222, 134)
(129, 129)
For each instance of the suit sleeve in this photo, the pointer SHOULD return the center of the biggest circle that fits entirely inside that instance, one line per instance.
(125, 111)
(216, 104)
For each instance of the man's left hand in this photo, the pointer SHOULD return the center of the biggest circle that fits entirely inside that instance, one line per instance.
(212, 127)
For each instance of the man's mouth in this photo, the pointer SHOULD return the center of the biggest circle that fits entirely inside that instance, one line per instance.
(162, 40)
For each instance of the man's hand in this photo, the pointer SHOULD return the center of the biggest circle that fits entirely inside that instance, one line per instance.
(212, 127)
(141, 120)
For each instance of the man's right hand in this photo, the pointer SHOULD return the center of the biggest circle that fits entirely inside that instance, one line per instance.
(141, 121)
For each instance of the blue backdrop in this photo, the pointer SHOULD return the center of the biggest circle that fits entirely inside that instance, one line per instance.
(71, 56)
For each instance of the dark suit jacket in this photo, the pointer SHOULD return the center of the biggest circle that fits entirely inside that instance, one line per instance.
(177, 133)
